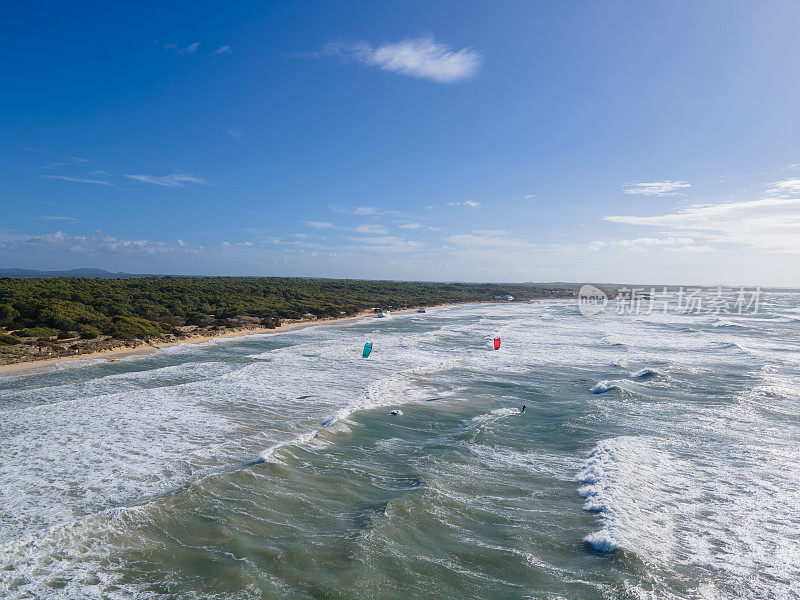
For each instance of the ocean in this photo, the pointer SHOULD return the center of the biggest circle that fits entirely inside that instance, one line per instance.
(658, 457)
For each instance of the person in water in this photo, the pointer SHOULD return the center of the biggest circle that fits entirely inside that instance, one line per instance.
(522, 410)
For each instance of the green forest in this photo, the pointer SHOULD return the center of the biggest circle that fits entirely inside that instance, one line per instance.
(154, 307)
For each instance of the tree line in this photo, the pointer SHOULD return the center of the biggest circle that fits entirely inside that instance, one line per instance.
(152, 307)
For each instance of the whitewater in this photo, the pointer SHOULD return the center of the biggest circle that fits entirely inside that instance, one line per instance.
(658, 457)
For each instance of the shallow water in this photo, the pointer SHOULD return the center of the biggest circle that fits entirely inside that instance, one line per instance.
(659, 457)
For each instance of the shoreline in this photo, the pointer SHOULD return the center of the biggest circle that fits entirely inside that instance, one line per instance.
(147, 348)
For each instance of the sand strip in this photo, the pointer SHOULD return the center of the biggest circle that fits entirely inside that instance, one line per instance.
(148, 347)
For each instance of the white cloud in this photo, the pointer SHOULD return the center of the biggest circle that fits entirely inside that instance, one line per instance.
(647, 244)
(596, 245)
(309, 245)
(651, 242)
(787, 187)
(96, 245)
(691, 249)
(422, 57)
(174, 181)
(237, 133)
(371, 228)
(470, 203)
(529, 196)
(78, 179)
(229, 245)
(656, 188)
(771, 223)
(190, 49)
(55, 218)
(411, 226)
(320, 225)
(387, 244)
(222, 50)
(489, 239)
(365, 210)
(494, 253)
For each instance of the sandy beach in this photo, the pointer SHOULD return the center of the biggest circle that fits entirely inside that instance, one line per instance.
(150, 347)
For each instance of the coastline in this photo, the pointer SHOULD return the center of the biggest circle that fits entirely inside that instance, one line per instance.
(147, 348)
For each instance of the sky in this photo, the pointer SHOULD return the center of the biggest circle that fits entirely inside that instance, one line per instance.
(635, 142)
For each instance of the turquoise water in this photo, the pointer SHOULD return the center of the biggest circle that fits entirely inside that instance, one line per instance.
(270, 467)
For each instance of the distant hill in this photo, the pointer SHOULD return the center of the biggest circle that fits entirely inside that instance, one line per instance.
(89, 273)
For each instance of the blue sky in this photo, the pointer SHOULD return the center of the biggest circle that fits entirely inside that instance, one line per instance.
(515, 141)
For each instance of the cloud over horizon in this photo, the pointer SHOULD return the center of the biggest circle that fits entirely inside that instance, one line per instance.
(98, 245)
(771, 223)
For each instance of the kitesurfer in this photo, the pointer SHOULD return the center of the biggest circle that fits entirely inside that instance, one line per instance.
(522, 410)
